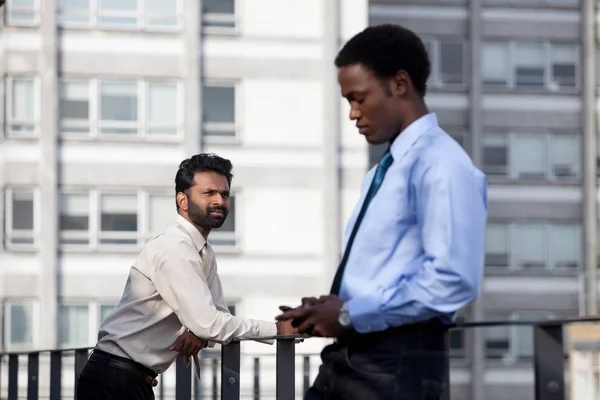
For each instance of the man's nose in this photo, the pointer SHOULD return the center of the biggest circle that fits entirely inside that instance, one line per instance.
(218, 200)
(354, 114)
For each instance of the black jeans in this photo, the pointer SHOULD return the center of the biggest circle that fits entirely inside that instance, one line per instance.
(102, 381)
(404, 363)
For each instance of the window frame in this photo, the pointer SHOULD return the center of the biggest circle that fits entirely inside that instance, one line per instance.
(35, 11)
(435, 79)
(35, 323)
(9, 108)
(142, 25)
(9, 232)
(235, 18)
(236, 126)
(550, 176)
(142, 124)
(547, 86)
(549, 257)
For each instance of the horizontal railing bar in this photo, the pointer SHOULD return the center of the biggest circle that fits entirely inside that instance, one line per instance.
(454, 326)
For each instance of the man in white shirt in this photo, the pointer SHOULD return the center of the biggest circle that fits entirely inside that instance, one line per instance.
(173, 300)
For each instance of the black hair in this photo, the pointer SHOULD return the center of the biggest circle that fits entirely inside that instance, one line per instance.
(204, 162)
(385, 50)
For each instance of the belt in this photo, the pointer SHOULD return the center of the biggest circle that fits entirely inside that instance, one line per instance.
(125, 364)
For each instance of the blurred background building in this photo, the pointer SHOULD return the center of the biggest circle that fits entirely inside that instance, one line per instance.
(103, 98)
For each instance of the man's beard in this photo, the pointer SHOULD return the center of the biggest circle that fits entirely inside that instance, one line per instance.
(204, 219)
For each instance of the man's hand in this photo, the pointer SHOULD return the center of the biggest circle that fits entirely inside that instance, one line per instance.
(188, 344)
(318, 317)
(286, 328)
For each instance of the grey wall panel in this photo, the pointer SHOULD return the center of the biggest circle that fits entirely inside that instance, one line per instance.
(22, 285)
(21, 62)
(234, 68)
(425, 26)
(111, 286)
(532, 30)
(511, 391)
(20, 173)
(131, 176)
(563, 303)
(121, 65)
(551, 120)
(452, 117)
(532, 210)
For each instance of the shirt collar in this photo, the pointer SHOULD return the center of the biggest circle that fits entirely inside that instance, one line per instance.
(408, 136)
(194, 233)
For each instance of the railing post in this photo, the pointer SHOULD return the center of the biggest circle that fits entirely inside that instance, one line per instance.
(285, 373)
(33, 379)
(183, 380)
(81, 357)
(256, 378)
(55, 375)
(230, 371)
(13, 376)
(549, 362)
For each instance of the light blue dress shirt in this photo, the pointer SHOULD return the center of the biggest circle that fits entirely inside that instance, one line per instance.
(419, 251)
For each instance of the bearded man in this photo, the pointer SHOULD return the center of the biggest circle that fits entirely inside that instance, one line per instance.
(173, 300)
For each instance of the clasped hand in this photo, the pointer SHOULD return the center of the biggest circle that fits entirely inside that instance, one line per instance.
(317, 317)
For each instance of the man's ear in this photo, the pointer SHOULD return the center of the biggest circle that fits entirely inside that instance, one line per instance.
(182, 201)
(401, 84)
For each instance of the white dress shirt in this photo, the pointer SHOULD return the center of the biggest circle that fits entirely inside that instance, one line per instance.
(170, 290)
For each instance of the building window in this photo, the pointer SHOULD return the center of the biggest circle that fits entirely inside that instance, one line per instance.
(225, 236)
(219, 15)
(539, 65)
(118, 108)
(74, 107)
(447, 59)
(123, 109)
(456, 338)
(528, 3)
(219, 111)
(120, 14)
(514, 342)
(105, 311)
(22, 12)
(95, 219)
(527, 246)
(532, 156)
(162, 211)
(21, 106)
(20, 324)
(21, 218)
(74, 218)
(73, 326)
(118, 218)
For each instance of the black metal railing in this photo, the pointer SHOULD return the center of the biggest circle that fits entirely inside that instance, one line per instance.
(548, 362)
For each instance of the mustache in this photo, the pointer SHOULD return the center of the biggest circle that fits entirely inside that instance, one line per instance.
(217, 209)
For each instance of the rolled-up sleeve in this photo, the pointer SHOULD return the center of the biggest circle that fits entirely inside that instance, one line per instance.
(180, 280)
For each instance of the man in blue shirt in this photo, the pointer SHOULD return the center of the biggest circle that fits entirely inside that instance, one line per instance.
(414, 245)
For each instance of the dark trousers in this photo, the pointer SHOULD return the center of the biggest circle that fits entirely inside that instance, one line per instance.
(404, 363)
(107, 377)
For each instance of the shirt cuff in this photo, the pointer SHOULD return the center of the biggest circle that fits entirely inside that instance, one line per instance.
(266, 329)
(365, 314)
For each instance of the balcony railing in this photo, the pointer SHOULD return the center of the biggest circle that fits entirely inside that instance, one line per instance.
(548, 362)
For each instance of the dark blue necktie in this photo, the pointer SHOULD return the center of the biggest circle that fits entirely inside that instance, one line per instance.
(382, 167)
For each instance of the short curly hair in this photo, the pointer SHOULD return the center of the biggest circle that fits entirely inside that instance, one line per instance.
(385, 50)
(204, 162)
